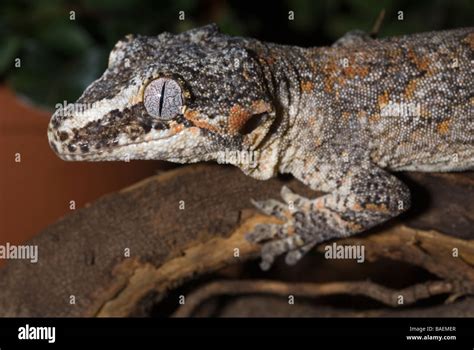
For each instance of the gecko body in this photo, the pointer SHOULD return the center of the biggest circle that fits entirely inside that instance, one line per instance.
(340, 119)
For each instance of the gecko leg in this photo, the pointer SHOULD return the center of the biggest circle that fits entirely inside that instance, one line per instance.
(366, 198)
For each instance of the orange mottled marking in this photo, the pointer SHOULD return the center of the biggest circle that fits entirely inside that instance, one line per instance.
(469, 39)
(421, 62)
(411, 88)
(260, 106)
(352, 71)
(383, 99)
(194, 131)
(356, 207)
(175, 128)
(314, 66)
(328, 84)
(443, 127)
(394, 55)
(238, 116)
(307, 86)
(331, 70)
(291, 230)
(193, 116)
(341, 80)
(270, 60)
(374, 118)
(377, 207)
(416, 135)
(354, 227)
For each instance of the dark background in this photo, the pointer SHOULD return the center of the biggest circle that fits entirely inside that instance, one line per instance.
(60, 57)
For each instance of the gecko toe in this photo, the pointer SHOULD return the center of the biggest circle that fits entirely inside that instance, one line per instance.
(293, 199)
(272, 207)
(293, 256)
(273, 249)
(263, 232)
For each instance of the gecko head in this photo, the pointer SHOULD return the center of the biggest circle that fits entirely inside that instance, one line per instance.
(182, 98)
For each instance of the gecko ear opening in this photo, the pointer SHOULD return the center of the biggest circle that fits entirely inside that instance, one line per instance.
(252, 123)
(256, 128)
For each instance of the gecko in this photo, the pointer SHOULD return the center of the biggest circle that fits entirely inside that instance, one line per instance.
(342, 119)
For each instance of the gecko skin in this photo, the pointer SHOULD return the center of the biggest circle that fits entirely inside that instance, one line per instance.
(339, 118)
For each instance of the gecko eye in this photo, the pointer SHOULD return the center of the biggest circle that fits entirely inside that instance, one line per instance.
(162, 98)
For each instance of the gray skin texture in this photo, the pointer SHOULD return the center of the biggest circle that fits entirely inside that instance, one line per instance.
(338, 118)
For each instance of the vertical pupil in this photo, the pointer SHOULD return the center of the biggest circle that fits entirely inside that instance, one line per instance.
(162, 97)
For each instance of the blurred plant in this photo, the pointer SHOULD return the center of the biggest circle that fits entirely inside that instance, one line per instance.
(60, 56)
(61, 51)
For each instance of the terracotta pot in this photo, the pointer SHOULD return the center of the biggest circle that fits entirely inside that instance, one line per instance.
(36, 187)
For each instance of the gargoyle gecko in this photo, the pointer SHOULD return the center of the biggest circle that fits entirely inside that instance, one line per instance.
(338, 118)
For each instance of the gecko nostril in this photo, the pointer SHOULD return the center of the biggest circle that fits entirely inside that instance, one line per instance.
(63, 135)
(71, 148)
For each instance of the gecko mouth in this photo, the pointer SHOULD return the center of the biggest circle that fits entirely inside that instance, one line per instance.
(184, 145)
(127, 150)
(95, 141)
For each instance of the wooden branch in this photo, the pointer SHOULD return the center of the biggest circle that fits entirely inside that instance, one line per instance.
(390, 297)
(122, 254)
(444, 256)
(270, 306)
(199, 259)
(84, 255)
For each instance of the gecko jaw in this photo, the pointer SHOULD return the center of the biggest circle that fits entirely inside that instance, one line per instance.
(177, 147)
(124, 151)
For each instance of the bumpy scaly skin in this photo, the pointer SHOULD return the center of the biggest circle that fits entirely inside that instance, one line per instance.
(337, 118)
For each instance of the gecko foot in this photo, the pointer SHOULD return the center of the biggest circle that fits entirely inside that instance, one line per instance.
(295, 237)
